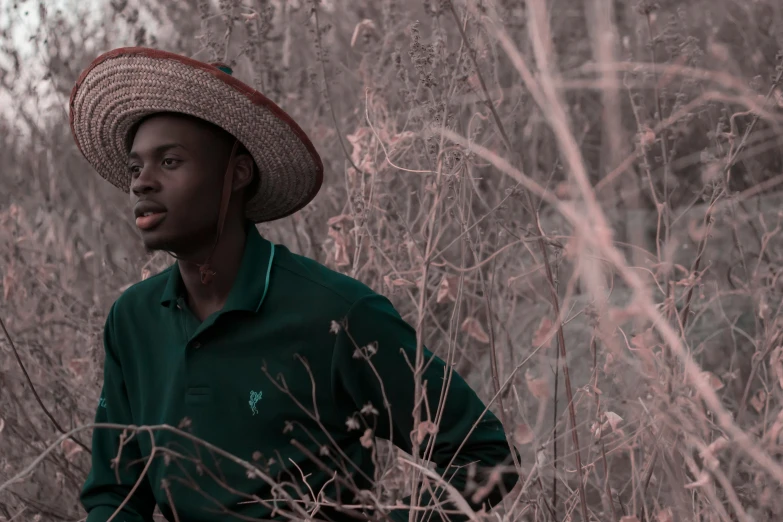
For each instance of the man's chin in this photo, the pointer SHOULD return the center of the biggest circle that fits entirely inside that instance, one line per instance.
(157, 243)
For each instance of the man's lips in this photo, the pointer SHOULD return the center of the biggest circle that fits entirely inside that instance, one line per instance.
(149, 214)
(150, 220)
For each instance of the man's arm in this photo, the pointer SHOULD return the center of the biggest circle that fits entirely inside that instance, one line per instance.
(102, 494)
(374, 321)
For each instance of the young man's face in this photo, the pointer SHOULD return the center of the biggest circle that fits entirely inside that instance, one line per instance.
(176, 166)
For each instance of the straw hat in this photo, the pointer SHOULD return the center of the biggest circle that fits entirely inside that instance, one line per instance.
(123, 86)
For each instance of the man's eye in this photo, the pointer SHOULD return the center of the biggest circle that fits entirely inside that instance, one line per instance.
(134, 169)
(170, 162)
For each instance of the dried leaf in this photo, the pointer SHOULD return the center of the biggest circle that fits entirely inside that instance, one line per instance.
(776, 361)
(703, 480)
(696, 229)
(665, 515)
(341, 254)
(643, 340)
(448, 289)
(369, 409)
(642, 346)
(78, 367)
(711, 172)
(719, 50)
(687, 281)
(145, 273)
(629, 518)
(709, 454)
(338, 232)
(473, 328)
(414, 253)
(397, 282)
(337, 220)
(404, 137)
(364, 24)
(563, 190)
(367, 439)
(443, 290)
(716, 446)
(759, 400)
(538, 386)
(70, 449)
(779, 97)
(715, 383)
(774, 431)
(425, 428)
(647, 137)
(474, 82)
(544, 333)
(361, 142)
(523, 434)
(8, 280)
(2, 424)
(613, 419)
(608, 363)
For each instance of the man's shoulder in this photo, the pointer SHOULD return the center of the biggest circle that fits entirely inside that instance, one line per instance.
(311, 277)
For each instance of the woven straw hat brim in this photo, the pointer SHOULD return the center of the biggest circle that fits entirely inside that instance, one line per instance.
(124, 85)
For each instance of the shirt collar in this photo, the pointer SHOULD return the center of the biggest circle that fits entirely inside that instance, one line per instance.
(252, 281)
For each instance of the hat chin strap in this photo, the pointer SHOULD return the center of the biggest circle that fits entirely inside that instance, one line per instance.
(206, 271)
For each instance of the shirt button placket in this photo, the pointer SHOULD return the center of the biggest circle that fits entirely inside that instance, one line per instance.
(190, 347)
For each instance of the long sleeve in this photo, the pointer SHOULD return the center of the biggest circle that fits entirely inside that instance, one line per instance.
(101, 494)
(374, 322)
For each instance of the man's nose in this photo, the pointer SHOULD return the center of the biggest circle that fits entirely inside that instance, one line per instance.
(144, 183)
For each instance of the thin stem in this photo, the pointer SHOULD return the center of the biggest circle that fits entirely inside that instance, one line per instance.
(35, 393)
(327, 91)
(561, 351)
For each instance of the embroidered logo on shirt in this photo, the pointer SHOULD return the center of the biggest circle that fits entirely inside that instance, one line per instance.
(102, 402)
(254, 398)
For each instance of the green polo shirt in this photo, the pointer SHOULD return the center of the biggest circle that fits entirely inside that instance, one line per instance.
(288, 376)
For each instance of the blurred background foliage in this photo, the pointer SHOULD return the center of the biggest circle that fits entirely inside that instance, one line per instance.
(690, 88)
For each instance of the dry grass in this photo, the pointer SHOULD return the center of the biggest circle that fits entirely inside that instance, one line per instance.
(578, 204)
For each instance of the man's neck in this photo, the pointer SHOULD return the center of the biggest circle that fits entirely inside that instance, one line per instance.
(205, 299)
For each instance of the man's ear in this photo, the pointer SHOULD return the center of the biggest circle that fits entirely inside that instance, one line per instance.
(243, 172)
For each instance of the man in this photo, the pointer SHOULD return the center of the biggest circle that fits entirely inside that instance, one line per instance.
(251, 382)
